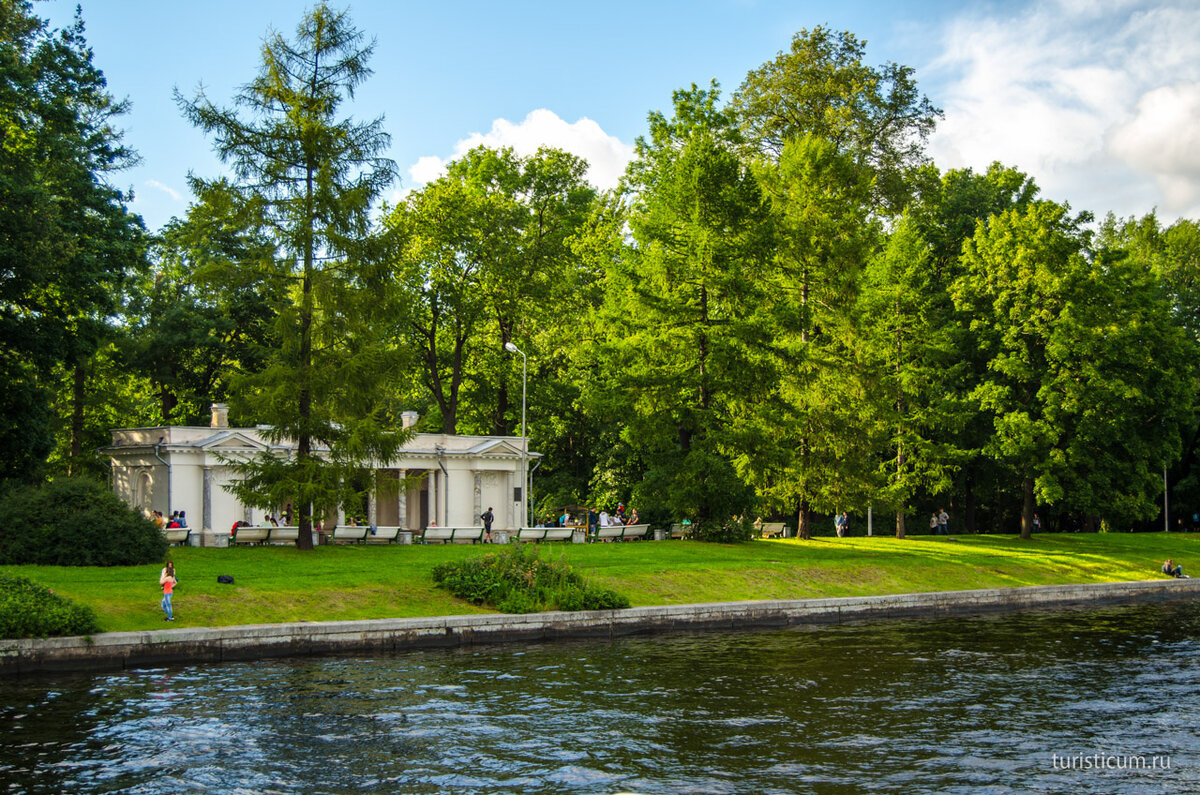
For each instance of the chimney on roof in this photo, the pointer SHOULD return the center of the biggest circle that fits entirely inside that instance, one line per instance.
(408, 419)
(220, 415)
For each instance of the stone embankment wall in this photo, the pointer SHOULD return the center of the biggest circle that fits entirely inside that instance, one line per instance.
(117, 650)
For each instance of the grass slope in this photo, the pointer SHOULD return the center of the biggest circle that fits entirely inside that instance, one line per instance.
(276, 584)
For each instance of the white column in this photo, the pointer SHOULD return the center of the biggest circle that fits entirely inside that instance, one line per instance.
(478, 509)
(206, 504)
(431, 495)
(401, 498)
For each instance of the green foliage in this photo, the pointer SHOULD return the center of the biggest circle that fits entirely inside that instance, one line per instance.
(517, 580)
(303, 185)
(674, 345)
(29, 610)
(821, 87)
(75, 522)
(67, 241)
(732, 531)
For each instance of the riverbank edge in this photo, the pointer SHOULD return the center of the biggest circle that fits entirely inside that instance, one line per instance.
(153, 648)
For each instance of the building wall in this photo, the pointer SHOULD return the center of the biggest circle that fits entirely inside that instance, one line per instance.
(472, 482)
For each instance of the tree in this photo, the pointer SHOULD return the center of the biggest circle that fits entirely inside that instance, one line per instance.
(199, 318)
(949, 209)
(484, 254)
(1172, 255)
(306, 180)
(906, 351)
(1068, 341)
(809, 443)
(822, 88)
(67, 242)
(676, 331)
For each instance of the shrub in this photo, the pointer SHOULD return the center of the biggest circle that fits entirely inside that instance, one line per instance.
(29, 610)
(517, 580)
(75, 522)
(730, 531)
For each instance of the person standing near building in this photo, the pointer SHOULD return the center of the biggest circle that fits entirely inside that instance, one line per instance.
(488, 517)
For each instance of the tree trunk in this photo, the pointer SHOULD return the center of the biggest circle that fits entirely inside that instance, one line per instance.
(1027, 509)
(304, 539)
(79, 394)
(969, 503)
(804, 520)
(900, 524)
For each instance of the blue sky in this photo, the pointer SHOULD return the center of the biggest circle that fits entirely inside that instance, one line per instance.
(1098, 99)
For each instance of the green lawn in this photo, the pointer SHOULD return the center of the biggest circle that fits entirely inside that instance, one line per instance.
(275, 584)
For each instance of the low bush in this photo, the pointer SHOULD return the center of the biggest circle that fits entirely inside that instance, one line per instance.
(517, 580)
(75, 522)
(29, 610)
(730, 531)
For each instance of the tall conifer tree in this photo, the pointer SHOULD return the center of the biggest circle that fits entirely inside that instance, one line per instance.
(306, 179)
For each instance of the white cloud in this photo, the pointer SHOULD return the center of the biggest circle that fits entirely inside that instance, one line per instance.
(606, 155)
(1100, 102)
(174, 194)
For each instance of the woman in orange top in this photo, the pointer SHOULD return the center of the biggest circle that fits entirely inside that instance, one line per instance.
(167, 581)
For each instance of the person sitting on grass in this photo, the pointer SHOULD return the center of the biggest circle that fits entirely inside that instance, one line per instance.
(1171, 570)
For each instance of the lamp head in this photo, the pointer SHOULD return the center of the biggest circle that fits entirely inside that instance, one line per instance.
(508, 346)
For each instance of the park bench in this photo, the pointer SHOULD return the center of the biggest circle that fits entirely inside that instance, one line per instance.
(607, 533)
(383, 535)
(545, 533)
(773, 529)
(631, 532)
(350, 534)
(452, 535)
(249, 535)
(177, 535)
(283, 535)
(626, 532)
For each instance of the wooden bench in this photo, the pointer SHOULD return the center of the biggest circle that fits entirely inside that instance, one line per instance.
(619, 532)
(177, 535)
(249, 535)
(773, 529)
(350, 534)
(633, 532)
(679, 530)
(545, 533)
(384, 535)
(453, 535)
(283, 535)
(607, 533)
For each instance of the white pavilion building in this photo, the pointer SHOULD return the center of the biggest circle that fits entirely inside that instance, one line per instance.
(449, 480)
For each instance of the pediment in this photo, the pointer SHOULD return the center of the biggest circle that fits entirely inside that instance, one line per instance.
(231, 441)
(504, 447)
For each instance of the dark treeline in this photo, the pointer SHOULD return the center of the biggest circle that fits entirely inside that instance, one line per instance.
(785, 310)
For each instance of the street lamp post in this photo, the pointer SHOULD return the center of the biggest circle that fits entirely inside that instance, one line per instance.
(511, 348)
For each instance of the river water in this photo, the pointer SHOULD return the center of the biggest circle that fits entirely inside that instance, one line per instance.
(1098, 701)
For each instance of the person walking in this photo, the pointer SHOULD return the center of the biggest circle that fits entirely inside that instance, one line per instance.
(943, 522)
(488, 517)
(933, 523)
(168, 581)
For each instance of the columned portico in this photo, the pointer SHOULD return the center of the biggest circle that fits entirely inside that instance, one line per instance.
(188, 468)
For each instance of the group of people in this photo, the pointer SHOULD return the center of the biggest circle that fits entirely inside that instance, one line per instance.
(1170, 569)
(939, 523)
(178, 519)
